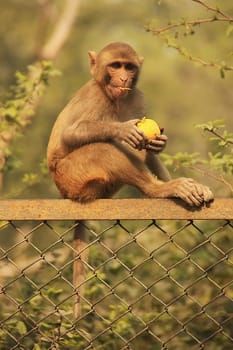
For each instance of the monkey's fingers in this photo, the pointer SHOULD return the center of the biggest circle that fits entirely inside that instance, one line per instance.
(208, 195)
(188, 197)
(131, 141)
(193, 198)
(156, 145)
(141, 138)
(135, 121)
(162, 138)
(156, 149)
(200, 194)
(134, 139)
(191, 192)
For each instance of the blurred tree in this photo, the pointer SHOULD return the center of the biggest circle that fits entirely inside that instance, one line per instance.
(16, 113)
(178, 93)
(62, 29)
(188, 27)
(219, 163)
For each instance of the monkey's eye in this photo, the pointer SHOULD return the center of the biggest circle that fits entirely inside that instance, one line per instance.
(115, 65)
(130, 66)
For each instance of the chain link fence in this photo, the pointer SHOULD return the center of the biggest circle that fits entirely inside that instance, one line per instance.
(147, 284)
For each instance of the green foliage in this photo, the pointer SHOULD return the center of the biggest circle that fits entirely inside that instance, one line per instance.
(175, 30)
(30, 179)
(217, 128)
(174, 279)
(179, 159)
(17, 111)
(19, 105)
(165, 78)
(220, 160)
(175, 90)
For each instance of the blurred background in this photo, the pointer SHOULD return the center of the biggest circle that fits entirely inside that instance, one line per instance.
(179, 93)
(184, 268)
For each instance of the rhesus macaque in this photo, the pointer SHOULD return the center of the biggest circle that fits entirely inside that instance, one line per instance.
(95, 146)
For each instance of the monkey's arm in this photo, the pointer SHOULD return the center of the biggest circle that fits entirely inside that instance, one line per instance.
(83, 132)
(157, 167)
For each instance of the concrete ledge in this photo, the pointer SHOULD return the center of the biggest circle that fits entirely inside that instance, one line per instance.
(113, 209)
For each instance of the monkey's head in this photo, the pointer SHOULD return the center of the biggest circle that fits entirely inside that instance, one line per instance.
(116, 69)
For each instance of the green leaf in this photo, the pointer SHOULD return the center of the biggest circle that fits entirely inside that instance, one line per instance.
(35, 301)
(211, 125)
(222, 143)
(21, 327)
(51, 292)
(30, 179)
(36, 347)
(20, 76)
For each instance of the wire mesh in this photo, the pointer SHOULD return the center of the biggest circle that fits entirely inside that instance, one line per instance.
(147, 285)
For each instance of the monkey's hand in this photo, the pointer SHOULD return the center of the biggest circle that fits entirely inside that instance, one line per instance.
(192, 192)
(129, 133)
(157, 145)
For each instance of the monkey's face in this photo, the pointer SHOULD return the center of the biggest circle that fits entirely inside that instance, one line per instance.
(120, 78)
(116, 69)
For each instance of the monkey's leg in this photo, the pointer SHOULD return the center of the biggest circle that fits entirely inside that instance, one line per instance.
(98, 170)
(191, 192)
(123, 166)
(84, 174)
(94, 170)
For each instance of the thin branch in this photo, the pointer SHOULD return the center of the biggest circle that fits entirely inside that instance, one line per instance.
(219, 178)
(223, 18)
(194, 22)
(199, 60)
(214, 9)
(219, 136)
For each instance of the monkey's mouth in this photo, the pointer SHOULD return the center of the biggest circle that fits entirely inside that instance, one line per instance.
(119, 91)
(124, 88)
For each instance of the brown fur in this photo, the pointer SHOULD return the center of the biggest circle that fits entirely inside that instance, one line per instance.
(95, 146)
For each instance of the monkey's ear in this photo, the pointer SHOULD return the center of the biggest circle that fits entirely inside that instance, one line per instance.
(92, 59)
(141, 60)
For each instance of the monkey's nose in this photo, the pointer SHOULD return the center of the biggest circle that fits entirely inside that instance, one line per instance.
(124, 80)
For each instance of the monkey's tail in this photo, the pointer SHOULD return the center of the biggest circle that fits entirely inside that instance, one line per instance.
(80, 243)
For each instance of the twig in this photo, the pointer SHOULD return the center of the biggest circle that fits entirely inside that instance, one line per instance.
(224, 18)
(219, 178)
(197, 59)
(188, 23)
(212, 131)
(216, 10)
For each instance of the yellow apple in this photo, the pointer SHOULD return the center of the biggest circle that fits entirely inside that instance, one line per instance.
(149, 127)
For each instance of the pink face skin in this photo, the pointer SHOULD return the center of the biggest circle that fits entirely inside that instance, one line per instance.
(121, 77)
